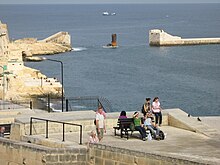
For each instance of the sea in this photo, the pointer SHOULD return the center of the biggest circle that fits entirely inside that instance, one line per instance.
(185, 77)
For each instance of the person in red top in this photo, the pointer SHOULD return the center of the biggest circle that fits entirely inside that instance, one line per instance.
(157, 111)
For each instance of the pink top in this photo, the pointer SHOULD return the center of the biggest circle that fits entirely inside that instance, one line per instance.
(122, 117)
(156, 107)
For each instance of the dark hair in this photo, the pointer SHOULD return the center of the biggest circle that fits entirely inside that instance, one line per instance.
(155, 99)
(123, 113)
(147, 99)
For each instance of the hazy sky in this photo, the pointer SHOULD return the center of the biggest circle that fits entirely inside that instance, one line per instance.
(102, 1)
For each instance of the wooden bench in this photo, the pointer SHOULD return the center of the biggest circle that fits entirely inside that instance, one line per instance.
(124, 126)
(7, 129)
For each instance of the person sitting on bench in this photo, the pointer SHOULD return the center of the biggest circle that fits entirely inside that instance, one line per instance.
(150, 125)
(139, 126)
(122, 115)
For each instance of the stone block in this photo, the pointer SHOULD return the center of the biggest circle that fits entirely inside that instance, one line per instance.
(73, 158)
(109, 162)
(99, 161)
(98, 153)
(81, 158)
(52, 158)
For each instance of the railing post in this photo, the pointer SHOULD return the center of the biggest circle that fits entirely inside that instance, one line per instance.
(80, 140)
(48, 102)
(46, 128)
(63, 132)
(31, 126)
(31, 104)
(67, 105)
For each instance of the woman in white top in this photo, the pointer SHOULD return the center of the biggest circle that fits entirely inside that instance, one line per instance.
(157, 111)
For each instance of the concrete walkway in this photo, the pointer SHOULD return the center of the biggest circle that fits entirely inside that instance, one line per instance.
(187, 138)
(178, 143)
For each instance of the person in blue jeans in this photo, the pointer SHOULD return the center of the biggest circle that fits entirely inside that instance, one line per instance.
(139, 126)
(150, 125)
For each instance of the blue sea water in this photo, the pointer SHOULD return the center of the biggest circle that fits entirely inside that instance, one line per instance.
(185, 77)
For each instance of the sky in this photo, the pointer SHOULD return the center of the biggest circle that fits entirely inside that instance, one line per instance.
(102, 1)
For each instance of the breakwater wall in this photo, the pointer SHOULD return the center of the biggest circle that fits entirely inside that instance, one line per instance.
(160, 38)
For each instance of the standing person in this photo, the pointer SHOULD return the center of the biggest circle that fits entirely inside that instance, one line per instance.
(2, 131)
(146, 108)
(157, 111)
(122, 115)
(139, 126)
(100, 123)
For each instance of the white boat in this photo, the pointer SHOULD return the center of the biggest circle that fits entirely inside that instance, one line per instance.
(105, 13)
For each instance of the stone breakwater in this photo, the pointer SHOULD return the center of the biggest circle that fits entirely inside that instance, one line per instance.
(18, 82)
(160, 38)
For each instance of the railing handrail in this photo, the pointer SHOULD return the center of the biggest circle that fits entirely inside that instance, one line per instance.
(48, 120)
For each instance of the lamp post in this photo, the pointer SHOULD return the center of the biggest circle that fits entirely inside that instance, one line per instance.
(61, 75)
(3, 91)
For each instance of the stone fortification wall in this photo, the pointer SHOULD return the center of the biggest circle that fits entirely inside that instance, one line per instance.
(22, 82)
(160, 38)
(107, 155)
(19, 153)
(60, 38)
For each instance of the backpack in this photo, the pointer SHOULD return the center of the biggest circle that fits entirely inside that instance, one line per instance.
(94, 121)
(161, 135)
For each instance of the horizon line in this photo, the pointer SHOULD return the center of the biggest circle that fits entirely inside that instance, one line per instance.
(107, 3)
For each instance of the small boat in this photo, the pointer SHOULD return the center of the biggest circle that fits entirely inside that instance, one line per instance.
(113, 44)
(105, 13)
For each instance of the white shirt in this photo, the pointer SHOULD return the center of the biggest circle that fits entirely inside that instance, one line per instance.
(100, 119)
(156, 107)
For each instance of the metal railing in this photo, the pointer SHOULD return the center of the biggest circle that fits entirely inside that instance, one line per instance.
(63, 123)
(87, 103)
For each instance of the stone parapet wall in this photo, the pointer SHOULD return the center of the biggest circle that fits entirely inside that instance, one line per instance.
(38, 127)
(107, 155)
(18, 153)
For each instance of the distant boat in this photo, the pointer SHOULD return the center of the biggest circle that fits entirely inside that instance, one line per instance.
(113, 44)
(105, 13)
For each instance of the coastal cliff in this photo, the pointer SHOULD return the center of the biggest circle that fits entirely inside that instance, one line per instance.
(18, 82)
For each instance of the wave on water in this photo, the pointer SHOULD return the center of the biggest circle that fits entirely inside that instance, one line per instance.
(78, 49)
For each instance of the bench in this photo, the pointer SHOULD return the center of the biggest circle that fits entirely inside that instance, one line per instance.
(124, 126)
(7, 129)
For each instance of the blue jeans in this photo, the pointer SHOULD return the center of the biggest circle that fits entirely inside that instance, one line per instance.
(141, 130)
(158, 116)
